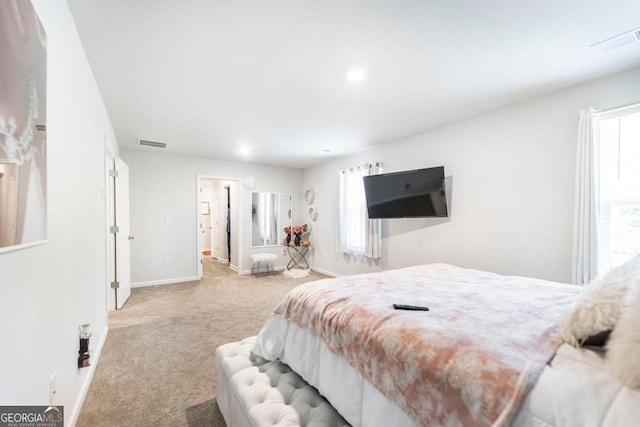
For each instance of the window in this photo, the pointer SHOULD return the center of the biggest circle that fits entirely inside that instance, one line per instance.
(357, 234)
(618, 187)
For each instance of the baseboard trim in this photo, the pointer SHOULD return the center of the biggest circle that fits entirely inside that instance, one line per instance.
(327, 272)
(73, 418)
(164, 281)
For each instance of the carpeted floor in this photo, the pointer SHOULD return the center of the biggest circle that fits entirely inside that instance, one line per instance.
(157, 367)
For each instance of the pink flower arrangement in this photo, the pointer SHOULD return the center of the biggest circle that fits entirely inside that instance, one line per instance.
(297, 230)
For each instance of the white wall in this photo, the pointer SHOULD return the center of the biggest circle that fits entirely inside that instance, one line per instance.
(512, 193)
(48, 291)
(164, 185)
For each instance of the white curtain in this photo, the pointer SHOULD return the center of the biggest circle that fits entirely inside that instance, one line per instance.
(585, 236)
(357, 234)
(373, 240)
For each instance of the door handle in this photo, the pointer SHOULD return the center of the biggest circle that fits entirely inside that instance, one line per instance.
(131, 237)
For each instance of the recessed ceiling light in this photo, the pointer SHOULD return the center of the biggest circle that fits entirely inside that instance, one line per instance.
(355, 75)
(244, 150)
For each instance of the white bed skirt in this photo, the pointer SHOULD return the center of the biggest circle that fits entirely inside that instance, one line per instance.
(574, 390)
(355, 399)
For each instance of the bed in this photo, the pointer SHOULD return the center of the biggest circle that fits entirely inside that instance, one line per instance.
(482, 355)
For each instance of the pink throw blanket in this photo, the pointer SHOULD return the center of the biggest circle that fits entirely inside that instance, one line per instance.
(469, 361)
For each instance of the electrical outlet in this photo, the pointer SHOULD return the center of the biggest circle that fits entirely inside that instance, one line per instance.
(167, 260)
(52, 387)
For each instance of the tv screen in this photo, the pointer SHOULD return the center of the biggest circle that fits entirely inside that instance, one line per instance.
(408, 194)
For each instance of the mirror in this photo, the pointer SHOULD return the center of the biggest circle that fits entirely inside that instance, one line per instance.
(270, 213)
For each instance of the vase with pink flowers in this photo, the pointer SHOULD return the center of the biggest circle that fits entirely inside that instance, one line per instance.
(287, 240)
(297, 231)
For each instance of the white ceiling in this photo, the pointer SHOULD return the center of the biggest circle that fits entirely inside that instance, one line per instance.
(206, 76)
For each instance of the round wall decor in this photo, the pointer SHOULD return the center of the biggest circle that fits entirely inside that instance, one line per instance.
(248, 182)
(309, 195)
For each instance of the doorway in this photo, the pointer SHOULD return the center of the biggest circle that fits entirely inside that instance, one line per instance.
(227, 189)
(8, 204)
(218, 218)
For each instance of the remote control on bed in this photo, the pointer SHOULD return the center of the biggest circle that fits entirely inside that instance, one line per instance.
(410, 307)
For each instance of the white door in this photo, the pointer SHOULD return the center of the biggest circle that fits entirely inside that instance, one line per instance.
(215, 225)
(123, 235)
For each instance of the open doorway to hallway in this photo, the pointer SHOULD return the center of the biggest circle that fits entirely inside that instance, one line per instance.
(218, 222)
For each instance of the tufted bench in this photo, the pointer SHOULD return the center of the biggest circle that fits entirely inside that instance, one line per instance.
(255, 392)
(266, 259)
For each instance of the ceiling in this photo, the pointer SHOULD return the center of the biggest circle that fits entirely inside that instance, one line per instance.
(209, 76)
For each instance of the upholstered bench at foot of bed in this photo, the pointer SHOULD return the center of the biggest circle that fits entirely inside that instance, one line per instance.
(254, 392)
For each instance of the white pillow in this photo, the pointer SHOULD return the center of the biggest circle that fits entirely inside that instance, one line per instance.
(601, 305)
(623, 348)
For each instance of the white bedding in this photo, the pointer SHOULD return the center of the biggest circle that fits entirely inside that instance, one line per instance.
(360, 403)
(469, 361)
(574, 390)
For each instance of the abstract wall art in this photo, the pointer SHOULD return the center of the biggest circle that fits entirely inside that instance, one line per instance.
(23, 150)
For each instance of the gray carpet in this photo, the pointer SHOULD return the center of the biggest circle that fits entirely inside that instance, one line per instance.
(157, 367)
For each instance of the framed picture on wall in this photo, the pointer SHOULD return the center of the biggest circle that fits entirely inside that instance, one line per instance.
(23, 151)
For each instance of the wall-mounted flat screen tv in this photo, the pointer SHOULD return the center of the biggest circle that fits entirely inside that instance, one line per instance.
(408, 194)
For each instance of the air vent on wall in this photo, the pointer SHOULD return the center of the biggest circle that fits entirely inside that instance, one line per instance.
(617, 41)
(151, 143)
